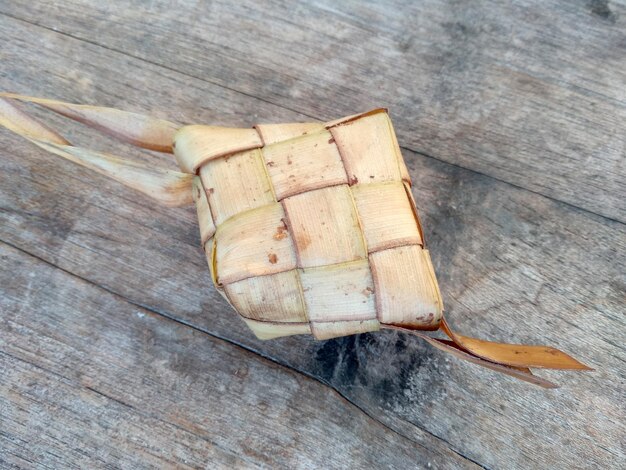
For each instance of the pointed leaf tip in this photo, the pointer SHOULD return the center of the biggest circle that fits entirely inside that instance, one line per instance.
(521, 373)
(137, 129)
(519, 355)
(16, 120)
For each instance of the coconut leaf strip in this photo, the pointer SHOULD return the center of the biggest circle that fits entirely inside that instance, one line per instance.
(450, 347)
(137, 129)
(518, 355)
(170, 188)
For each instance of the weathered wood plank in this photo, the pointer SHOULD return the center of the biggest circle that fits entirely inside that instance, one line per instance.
(50, 421)
(91, 381)
(519, 262)
(531, 92)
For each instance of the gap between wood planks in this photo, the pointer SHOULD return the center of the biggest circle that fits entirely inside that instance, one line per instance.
(279, 105)
(166, 316)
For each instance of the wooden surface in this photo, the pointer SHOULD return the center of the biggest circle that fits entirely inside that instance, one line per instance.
(115, 350)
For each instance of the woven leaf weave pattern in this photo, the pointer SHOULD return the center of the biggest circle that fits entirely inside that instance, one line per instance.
(312, 228)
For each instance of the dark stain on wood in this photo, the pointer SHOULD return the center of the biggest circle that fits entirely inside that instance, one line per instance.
(601, 9)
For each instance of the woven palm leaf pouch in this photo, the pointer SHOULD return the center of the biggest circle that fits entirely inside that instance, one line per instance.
(308, 228)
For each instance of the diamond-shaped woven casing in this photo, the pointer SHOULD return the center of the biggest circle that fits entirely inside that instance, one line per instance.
(312, 228)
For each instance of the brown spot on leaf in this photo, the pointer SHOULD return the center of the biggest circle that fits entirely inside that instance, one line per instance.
(353, 180)
(367, 291)
(273, 258)
(303, 240)
(331, 140)
(281, 231)
(270, 163)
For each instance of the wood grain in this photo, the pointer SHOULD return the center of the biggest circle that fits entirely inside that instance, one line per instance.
(513, 266)
(531, 93)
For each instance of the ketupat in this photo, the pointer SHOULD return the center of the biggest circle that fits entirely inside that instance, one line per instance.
(308, 228)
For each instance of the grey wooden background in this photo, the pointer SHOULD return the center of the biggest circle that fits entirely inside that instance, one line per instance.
(116, 352)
